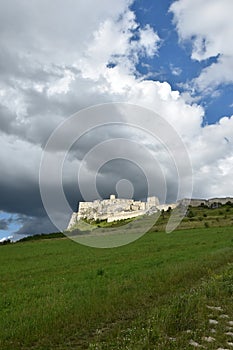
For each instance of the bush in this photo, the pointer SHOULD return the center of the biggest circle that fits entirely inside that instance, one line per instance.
(100, 272)
(190, 214)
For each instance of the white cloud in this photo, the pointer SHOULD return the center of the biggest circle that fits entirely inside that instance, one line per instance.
(217, 73)
(185, 118)
(61, 85)
(114, 42)
(211, 152)
(149, 40)
(175, 70)
(14, 101)
(209, 26)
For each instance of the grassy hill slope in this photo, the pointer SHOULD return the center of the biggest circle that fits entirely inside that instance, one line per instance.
(151, 294)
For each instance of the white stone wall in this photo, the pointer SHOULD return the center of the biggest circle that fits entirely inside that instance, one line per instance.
(193, 202)
(220, 200)
(153, 201)
(166, 206)
(112, 209)
(125, 215)
(73, 221)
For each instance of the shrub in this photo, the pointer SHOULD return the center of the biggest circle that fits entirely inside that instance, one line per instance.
(190, 214)
(100, 272)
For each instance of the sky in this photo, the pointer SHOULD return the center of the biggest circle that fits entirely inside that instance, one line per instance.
(57, 58)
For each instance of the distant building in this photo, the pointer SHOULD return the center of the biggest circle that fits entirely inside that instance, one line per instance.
(114, 209)
(210, 203)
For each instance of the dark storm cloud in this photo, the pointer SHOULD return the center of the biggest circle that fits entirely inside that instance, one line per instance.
(4, 224)
(24, 198)
(35, 225)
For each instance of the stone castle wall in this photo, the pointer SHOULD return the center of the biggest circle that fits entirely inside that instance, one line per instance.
(125, 215)
(165, 207)
(113, 209)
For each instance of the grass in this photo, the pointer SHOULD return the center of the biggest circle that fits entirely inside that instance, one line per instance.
(56, 294)
(184, 319)
(200, 217)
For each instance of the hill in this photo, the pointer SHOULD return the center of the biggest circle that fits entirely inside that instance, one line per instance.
(151, 294)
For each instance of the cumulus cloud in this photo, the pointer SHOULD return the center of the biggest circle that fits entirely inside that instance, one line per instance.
(208, 26)
(211, 154)
(57, 58)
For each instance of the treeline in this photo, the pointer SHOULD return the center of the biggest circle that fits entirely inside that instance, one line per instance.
(42, 236)
(6, 241)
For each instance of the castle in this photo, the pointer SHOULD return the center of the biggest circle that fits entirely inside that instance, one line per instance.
(114, 209)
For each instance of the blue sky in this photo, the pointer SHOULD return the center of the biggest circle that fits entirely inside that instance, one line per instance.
(8, 225)
(173, 57)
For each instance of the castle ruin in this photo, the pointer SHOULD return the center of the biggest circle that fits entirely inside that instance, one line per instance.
(114, 209)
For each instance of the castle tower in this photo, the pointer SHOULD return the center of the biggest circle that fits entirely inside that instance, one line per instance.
(152, 202)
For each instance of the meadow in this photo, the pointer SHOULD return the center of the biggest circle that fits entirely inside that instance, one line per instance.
(159, 292)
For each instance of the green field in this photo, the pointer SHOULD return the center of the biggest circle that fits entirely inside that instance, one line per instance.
(151, 294)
